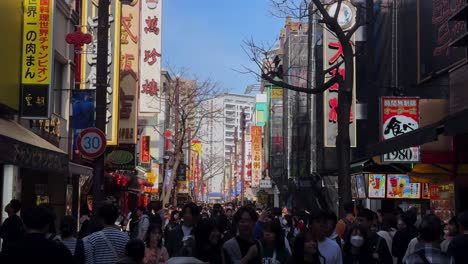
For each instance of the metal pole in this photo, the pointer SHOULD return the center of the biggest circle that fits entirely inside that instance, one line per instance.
(231, 158)
(235, 164)
(243, 155)
(101, 93)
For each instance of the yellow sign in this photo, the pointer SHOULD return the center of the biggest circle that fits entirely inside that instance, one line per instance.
(37, 41)
(256, 132)
(276, 93)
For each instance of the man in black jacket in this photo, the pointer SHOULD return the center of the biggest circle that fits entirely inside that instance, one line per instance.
(12, 229)
(376, 244)
(34, 247)
(406, 232)
(181, 241)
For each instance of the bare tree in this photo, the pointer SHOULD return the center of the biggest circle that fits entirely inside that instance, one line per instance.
(270, 73)
(186, 108)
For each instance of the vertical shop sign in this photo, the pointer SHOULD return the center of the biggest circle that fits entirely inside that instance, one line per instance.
(256, 132)
(399, 115)
(129, 52)
(332, 55)
(89, 60)
(145, 156)
(37, 58)
(83, 109)
(150, 59)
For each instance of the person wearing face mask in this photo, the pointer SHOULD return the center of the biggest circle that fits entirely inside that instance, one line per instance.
(355, 248)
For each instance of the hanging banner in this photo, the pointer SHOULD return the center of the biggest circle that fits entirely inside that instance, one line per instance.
(150, 59)
(399, 115)
(128, 98)
(256, 132)
(332, 55)
(145, 156)
(89, 60)
(83, 109)
(37, 59)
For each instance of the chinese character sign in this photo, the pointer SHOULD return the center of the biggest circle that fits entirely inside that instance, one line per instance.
(150, 58)
(399, 186)
(37, 41)
(399, 116)
(128, 98)
(256, 132)
(145, 156)
(89, 61)
(333, 54)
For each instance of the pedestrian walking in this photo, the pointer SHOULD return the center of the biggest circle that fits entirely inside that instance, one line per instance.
(406, 232)
(134, 252)
(347, 221)
(143, 222)
(330, 222)
(327, 247)
(180, 241)
(452, 232)
(34, 247)
(108, 245)
(459, 245)
(155, 252)
(173, 222)
(84, 221)
(208, 239)
(388, 230)
(12, 229)
(68, 238)
(377, 245)
(305, 250)
(430, 233)
(237, 247)
(356, 246)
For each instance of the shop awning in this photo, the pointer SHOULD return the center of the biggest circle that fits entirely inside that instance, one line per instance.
(78, 169)
(437, 173)
(451, 125)
(23, 148)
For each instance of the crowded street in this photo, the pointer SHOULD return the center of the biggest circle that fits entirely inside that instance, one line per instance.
(234, 132)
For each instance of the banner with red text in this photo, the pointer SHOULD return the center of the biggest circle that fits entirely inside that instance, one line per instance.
(150, 59)
(256, 133)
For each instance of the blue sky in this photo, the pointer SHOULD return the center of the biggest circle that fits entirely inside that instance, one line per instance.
(205, 36)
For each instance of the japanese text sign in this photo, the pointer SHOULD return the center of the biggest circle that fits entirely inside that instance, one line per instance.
(399, 186)
(150, 59)
(129, 52)
(37, 41)
(145, 156)
(89, 61)
(256, 132)
(332, 55)
(400, 115)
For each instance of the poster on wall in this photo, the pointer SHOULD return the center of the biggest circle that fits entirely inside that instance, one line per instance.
(443, 201)
(361, 186)
(400, 187)
(426, 191)
(83, 109)
(354, 190)
(376, 186)
(399, 115)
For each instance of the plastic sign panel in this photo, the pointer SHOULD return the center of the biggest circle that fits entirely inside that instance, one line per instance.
(37, 58)
(377, 185)
(400, 115)
(89, 18)
(256, 132)
(150, 58)
(400, 187)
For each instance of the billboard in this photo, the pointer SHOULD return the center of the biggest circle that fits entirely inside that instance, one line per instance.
(89, 60)
(399, 115)
(332, 55)
(150, 59)
(129, 52)
(377, 185)
(83, 109)
(256, 132)
(434, 35)
(37, 59)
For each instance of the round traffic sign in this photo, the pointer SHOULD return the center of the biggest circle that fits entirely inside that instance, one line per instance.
(91, 142)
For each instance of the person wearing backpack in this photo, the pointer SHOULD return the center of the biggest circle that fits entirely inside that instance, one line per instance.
(347, 221)
(430, 233)
(67, 238)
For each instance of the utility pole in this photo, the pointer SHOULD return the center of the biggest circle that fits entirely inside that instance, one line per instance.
(101, 94)
(231, 158)
(243, 155)
(235, 164)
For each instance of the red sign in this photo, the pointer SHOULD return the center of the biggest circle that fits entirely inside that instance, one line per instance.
(145, 156)
(400, 115)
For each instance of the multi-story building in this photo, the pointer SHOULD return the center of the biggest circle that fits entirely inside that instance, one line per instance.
(219, 136)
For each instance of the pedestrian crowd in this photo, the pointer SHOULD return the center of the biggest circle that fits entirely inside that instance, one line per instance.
(229, 235)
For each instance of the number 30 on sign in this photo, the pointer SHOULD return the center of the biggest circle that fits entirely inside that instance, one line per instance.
(91, 142)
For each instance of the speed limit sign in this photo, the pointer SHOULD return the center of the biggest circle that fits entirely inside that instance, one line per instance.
(91, 142)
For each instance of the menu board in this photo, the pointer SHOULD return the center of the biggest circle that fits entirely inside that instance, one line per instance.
(361, 186)
(400, 187)
(377, 185)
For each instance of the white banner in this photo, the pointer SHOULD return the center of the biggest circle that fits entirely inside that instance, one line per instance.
(150, 57)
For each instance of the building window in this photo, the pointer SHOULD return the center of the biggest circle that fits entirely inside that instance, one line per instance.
(58, 88)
